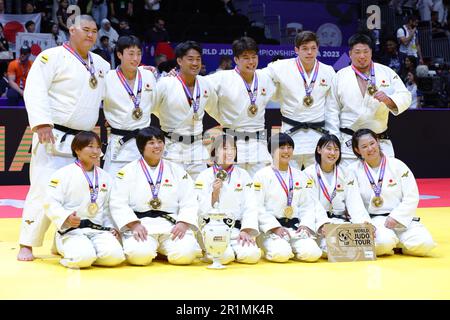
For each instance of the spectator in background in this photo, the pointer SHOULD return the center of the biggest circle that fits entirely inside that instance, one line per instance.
(407, 36)
(62, 15)
(58, 35)
(124, 28)
(4, 78)
(410, 65)
(28, 8)
(17, 76)
(225, 63)
(392, 57)
(411, 85)
(4, 46)
(2, 7)
(437, 31)
(108, 31)
(158, 33)
(438, 6)
(121, 9)
(104, 50)
(425, 7)
(99, 10)
(30, 26)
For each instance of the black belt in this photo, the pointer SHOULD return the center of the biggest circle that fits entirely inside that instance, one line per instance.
(85, 223)
(289, 223)
(155, 214)
(126, 134)
(383, 135)
(258, 135)
(66, 131)
(181, 138)
(318, 126)
(341, 216)
(386, 214)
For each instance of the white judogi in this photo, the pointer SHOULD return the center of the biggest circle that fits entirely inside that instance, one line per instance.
(290, 94)
(271, 200)
(118, 108)
(175, 117)
(401, 197)
(236, 199)
(231, 112)
(177, 197)
(356, 111)
(68, 192)
(57, 92)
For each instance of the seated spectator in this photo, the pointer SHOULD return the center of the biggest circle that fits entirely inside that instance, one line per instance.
(30, 26)
(125, 29)
(411, 85)
(225, 63)
(437, 31)
(108, 31)
(392, 57)
(2, 7)
(62, 15)
(28, 8)
(120, 10)
(58, 35)
(17, 76)
(105, 50)
(4, 46)
(410, 65)
(158, 33)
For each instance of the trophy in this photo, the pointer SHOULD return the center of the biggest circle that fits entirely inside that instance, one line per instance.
(216, 232)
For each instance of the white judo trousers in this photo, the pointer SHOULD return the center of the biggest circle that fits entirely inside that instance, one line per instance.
(57, 92)
(401, 197)
(178, 199)
(237, 200)
(68, 192)
(272, 200)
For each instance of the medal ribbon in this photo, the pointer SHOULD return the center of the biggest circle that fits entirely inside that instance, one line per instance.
(308, 88)
(153, 188)
(92, 190)
(194, 103)
(90, 68)
(372, 79)
(251, 94)
(289, 193)
(136, 99)
(323, 186)
(217, 168)
(376, 187)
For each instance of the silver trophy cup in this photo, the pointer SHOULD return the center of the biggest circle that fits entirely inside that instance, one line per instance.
(216, 232)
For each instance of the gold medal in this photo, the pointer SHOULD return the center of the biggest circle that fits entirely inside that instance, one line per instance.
(252, 110)
(196, 116)
(222, 175)
(288, 212)
(137, 113)
(377, 201)
(93, 82)
(92, 209)
(372, 89)
(308, 101)
(155, 203)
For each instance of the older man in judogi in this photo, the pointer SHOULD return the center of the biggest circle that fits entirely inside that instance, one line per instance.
(63, 95)
(365, 94)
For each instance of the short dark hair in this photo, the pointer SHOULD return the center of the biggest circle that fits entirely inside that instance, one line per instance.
(125, 42)
(147, 134)
(222, 140)
(104, 38)
(29, 23)
(83, 139)
(244, 44)
(359, 38)
(183, 47)
(304, 37)
(279, 140)
(357, 135)
(323, 141)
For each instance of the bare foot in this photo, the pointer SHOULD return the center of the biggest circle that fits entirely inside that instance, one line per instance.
(25, 254)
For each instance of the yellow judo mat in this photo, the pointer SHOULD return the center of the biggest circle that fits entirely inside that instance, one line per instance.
(392, 277)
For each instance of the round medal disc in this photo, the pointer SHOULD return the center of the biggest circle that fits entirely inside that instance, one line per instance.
(377, 201)
(137, 113)
(196, 116)
(155, 203)
(252, 110)
(222, 175)
(93, 82)
(372, 89)
(308, 101)
(288, 212)
(92, 209)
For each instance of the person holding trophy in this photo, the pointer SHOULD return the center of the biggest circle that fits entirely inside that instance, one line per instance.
(288, 215)
(77, 203)
(228, 188)
(154, 205)
(390, 194)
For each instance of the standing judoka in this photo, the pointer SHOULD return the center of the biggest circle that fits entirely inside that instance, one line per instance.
(128, 102)
(304, 92)
(288, 215)
(63, 95)
(230, 187)
(365, 94)
(180, 103)
(163, 216)
(390, 194)
(78, 204)
(243, 94)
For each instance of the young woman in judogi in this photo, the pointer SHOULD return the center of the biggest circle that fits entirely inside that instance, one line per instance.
(288, 217)
(390, 194)
(340, 199)
(228, 188)
(154, 205)
(127, 104)
(243, 94)
(77, 203)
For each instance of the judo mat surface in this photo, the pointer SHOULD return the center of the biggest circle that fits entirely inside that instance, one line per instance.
(390, 277)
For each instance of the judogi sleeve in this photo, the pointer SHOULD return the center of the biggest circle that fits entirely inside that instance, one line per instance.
(353, 200)
(332, 108)
(250, 213)
(203, 192)
(55, 199)
(310, 212)
(212, 107)
(187, 202)
(107, 218)
(159, 97)
(267, 220)
(35, 95)
(401, 96)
